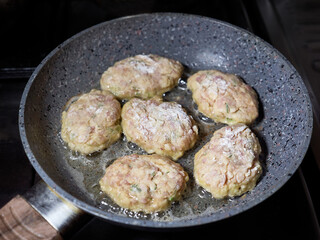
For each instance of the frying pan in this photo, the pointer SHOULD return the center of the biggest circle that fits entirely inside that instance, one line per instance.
(284, 126)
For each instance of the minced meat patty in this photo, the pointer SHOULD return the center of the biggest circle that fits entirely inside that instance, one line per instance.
(147, 183)
(223, 97)
(159, 127)
(142, 76)
(228, 165)
(92, 122)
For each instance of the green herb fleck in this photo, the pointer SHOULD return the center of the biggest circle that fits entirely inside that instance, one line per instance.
(153, 174)
(172, 197)
(136, 91)
(229, 119)
(135, 188)
(150, 94)
(72, 135)
(227, 108)
(118, 128)
(235, 83)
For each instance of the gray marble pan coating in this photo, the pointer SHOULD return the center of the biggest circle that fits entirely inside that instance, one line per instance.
(284, 126)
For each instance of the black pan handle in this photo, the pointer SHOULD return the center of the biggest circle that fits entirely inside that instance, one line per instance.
(40, 214)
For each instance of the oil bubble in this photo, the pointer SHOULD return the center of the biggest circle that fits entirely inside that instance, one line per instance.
(204, 118)
(203, 194)
(182, 84)
(132, 146)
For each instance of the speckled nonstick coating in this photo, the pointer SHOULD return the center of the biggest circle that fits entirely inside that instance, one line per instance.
(284, 126)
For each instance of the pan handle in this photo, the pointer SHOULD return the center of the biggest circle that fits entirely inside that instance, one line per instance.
(40, 214)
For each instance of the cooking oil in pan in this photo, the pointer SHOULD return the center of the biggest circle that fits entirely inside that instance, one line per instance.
(195, 199)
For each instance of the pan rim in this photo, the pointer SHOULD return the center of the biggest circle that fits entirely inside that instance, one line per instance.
(185, 222)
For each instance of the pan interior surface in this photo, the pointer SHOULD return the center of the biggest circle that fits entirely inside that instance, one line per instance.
(283, 127)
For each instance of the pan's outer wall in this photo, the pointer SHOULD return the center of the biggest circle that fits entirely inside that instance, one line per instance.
(199, 43)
